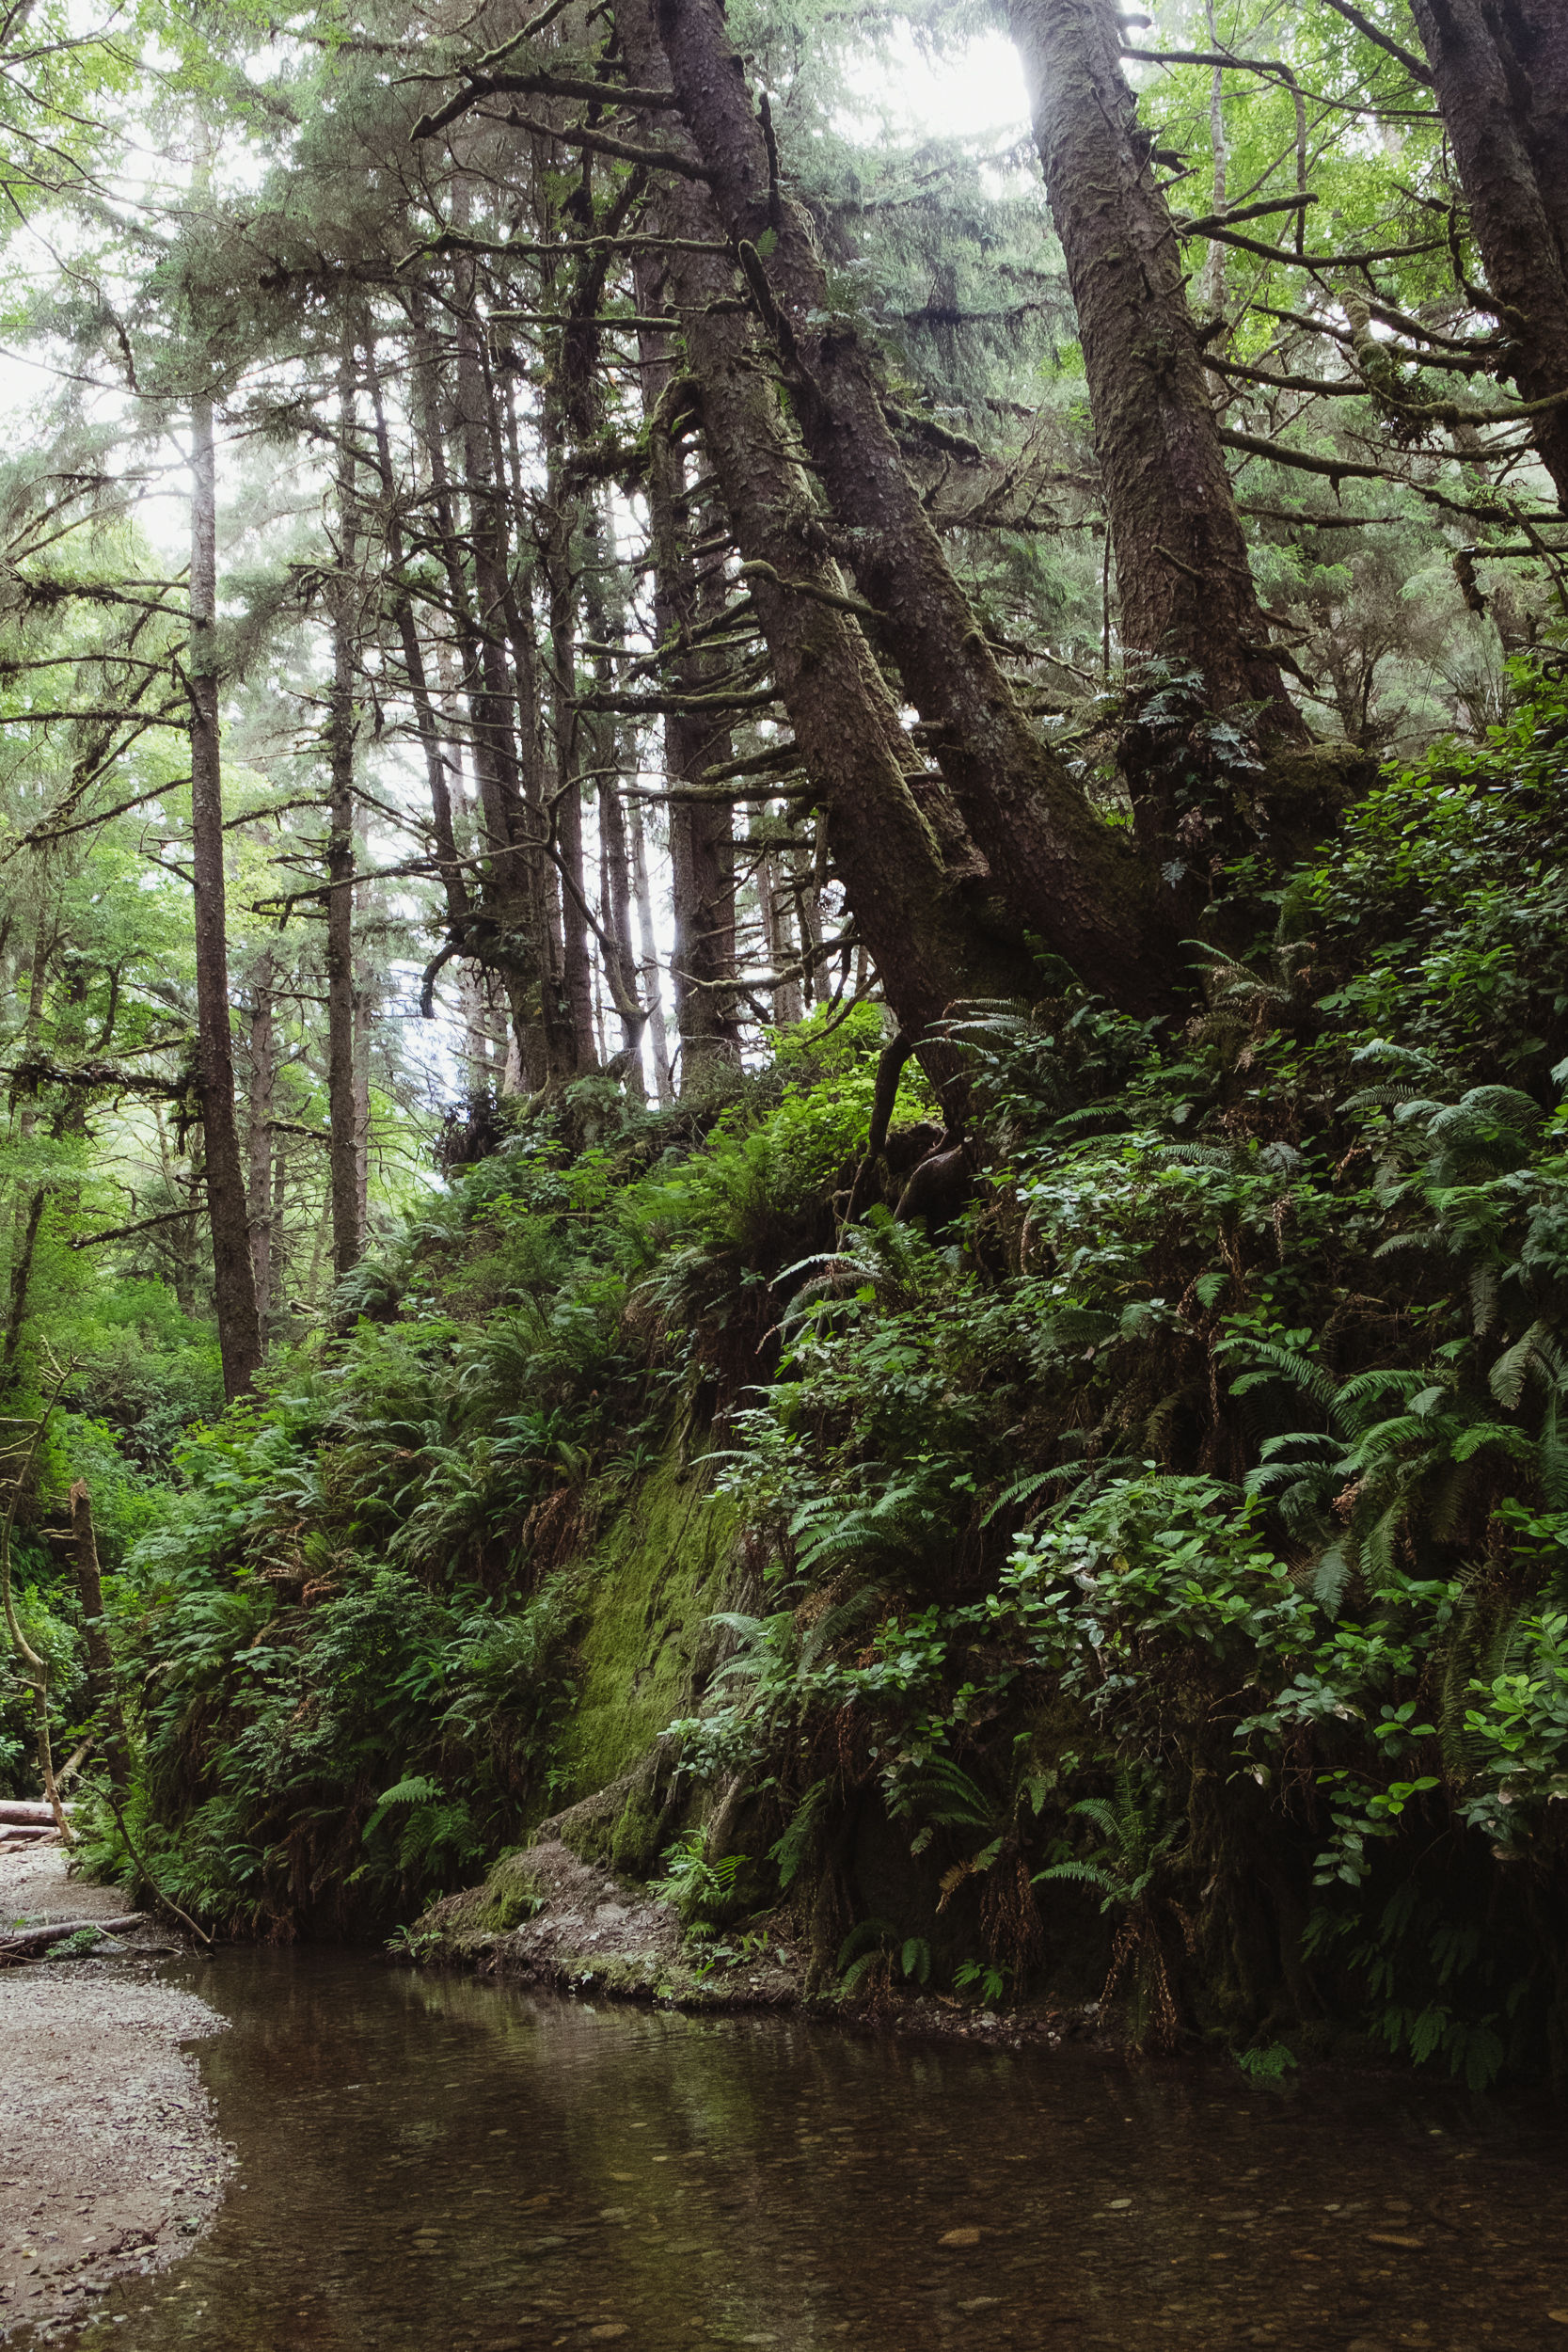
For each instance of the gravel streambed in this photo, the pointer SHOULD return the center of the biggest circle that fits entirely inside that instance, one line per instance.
(110, 2165)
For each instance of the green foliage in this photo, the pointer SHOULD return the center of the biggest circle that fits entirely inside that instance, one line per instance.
(1191, 1525)
(874, 1948)
(700, 1889)
(1267, 2062)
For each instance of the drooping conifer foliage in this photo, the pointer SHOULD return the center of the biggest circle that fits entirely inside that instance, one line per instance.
(784, 908)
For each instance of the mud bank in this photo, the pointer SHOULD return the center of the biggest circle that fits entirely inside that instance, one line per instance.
(547, 1918)
(110, 2166)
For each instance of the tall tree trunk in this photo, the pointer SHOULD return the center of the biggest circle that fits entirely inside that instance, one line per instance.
(342, 1148)
(454, 885)
(576, 1052)
(1500, 72)
(364, 1021)
(615, 920)
(649, 989)
(929, 948)
(1181, 555)
(233, 1278)
(1182, 567)
(1069, 874)
(702, 844)
(102, 1697)
(23, 1247)
(498, 931)
(277, 1252)
(262, 1077)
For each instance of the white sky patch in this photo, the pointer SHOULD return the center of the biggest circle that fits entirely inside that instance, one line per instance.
(970, 93)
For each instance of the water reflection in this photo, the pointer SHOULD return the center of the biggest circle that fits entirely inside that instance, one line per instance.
(428, 2162)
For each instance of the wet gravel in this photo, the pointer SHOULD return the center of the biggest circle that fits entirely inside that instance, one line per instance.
(110, 2162)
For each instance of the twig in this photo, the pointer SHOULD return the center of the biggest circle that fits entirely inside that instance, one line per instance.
(166, 1901)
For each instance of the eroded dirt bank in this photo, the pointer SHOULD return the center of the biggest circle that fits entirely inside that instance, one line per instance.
(548, 1918)
(110, 2164)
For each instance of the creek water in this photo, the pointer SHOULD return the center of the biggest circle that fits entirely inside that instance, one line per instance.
(426, 2162)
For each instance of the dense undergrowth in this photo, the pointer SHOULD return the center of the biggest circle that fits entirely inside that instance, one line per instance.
(1160, 1565)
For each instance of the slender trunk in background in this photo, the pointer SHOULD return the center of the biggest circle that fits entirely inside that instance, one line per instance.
(603, 738)
(1212, 278)
(787, 996)
(808, 914)
(342, 1148)
(364, 1019)
(476, 1029)
(1500, 75)
(616, 921)
(648, 955)
(277, 1254)
(497, 930)
(702, 835)
(767, 917)
(27, 1207)
(575, 1011)
(234, 1277)
(100, 1663)
(426, 720)
(261, 1077)
(23, 1247)
(529, 1054)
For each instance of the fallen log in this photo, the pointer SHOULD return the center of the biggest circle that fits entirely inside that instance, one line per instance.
(28, 1834)
(56, 1930)
(23, 1812)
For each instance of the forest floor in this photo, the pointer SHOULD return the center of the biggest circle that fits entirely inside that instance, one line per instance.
(109, 2161)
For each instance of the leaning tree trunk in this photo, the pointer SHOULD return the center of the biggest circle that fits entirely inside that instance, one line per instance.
(1500, 74)
(1070, 877)
(234, 1277)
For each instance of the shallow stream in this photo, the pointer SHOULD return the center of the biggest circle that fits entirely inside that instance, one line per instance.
(428, 2162)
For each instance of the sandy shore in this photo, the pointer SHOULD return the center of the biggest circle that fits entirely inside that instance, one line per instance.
(109, 2161)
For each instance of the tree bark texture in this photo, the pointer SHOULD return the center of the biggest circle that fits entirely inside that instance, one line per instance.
(343, 1148)
(929, 948)
(1071, 877)
(1501, 72)
(259, 1091)
(701, 847)
(648, 955)
(233, 1279)
(1185, 580)
(100, 1663)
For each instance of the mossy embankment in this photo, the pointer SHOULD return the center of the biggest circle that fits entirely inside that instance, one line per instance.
(1139, 1576)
